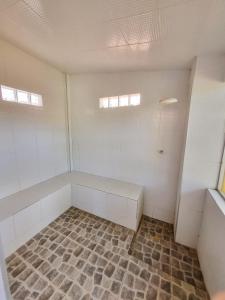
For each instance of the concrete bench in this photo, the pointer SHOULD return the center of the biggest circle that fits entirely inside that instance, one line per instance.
(26, 212)
(114, 200)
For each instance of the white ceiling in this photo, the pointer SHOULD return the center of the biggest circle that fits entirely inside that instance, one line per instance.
(114, 35)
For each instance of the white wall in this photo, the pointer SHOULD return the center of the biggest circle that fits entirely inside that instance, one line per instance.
(4, 287)
(122, 143)
(205, 137)
(14, 231)
(211, 243)
(33, 142)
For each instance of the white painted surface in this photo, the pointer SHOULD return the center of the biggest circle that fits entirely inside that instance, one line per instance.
(97, 195)
(8, 235)
(14, 203)
(4, 287)
(33, 144)
(19, 201)
(204, 144)
(27, 222)
(211, 243)
(120, 210)
(15, 231)
(114, 200)
(115, 35)
(55, 204)
(123, 143)
(109, 185)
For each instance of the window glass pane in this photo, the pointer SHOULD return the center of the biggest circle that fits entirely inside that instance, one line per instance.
(113, 101)
(120, 101)
(8, 94)
(23, 97)
(124, 100)
(36, 99)
(135, 99)
(223, 185)
(103, 103)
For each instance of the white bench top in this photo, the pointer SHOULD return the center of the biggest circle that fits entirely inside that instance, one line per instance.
(108, 185)
(12, 204)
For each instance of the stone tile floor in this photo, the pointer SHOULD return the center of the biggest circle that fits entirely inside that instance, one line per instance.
(81, 256)
(154, 244)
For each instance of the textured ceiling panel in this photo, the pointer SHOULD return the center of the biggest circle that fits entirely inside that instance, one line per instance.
(115, 35)
(144, 28)
(213, 36)
(36, 6)
(99, 36)
(6, 3)
(115, 9)
(168, 3)
(26, 18)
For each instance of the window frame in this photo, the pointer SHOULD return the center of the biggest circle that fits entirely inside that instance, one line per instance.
(15, 101)
(129, 102)
(221, 176)
(14, 92)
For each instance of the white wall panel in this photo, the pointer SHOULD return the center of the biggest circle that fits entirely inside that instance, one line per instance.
(9, 181)
(120, 210)
(65, 195)
(60, 148)
(19, 228)
(90, 200)
(204, 145)
(26, 150)
(4, 285)
(211, 243)
(33, 144)
(55, 204)
(123, 143)
(8, 235)
(45, 148)
(27, 222)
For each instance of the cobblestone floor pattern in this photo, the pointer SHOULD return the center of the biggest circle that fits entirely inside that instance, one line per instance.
(81, 256)
(154, 244)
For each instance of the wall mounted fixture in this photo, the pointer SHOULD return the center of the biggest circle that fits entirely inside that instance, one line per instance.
(168, 101)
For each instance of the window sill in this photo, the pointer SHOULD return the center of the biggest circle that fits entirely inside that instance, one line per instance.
(219, 200)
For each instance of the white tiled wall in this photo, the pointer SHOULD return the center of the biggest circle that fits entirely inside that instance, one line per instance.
(4, 286)
(120, 210)
(52, 206)
(123, 143)
(211, 243)
(30, 215)
(16, 230)
(33, 141)
(8, 235)
(204, 144)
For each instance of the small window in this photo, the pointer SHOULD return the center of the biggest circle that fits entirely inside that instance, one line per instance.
(36, 99)
(103, 102)
(120, 101)
(23, 97)
(113, 101)
(135, 99)
(124, 100)
(221, 185)
(8, 94)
